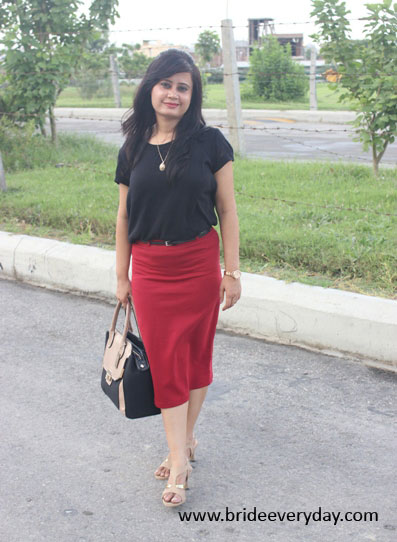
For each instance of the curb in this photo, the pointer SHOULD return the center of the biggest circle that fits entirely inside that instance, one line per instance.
(336, 322)
(299, 115)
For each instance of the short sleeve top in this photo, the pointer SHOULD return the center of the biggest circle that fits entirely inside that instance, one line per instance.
(156, 208)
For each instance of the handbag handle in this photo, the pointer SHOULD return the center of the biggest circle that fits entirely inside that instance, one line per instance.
(130, 307)
(135, 318)
(127, 323)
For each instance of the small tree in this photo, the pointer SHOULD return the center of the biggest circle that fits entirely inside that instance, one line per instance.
(132, 62)
(43, 43)
(92, 75)
(274, 75)
(207, 46)
(367, 68)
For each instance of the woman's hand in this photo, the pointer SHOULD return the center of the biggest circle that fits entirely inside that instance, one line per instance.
(123, 291)
(232, 288)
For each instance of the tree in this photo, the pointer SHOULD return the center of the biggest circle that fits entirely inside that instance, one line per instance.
(132, 62)
(43, 42)
(207, 46)
(366, 68)
(91, 76)
(273, 74)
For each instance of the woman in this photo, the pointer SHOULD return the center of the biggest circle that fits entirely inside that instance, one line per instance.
(172, 171)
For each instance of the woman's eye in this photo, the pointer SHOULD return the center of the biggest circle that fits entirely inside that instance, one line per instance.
(165, 84)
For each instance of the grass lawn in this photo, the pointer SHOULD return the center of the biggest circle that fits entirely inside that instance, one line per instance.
(327, 99)
(311, 240)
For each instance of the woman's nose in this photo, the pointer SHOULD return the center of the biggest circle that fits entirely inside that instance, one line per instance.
(172, 93)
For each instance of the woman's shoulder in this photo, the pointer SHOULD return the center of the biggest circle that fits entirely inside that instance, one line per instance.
(214, 145)
(207, 134)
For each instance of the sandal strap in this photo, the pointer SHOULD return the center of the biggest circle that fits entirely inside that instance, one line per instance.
(187, 470)
(180, 486)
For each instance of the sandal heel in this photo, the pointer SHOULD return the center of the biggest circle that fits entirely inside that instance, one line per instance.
(191, 447)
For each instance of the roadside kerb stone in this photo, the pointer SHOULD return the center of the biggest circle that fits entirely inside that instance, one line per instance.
(320, 319)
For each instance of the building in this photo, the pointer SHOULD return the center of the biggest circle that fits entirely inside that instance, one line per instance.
(242, 50)
(296, 42)
(152, 48)
(258, 28)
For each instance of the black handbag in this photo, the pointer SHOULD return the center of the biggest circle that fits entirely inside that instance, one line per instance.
(126, 377)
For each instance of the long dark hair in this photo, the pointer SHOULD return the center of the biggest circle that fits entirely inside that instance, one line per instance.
(138, 126)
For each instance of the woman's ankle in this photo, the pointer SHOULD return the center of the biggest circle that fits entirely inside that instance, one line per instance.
(178, 460)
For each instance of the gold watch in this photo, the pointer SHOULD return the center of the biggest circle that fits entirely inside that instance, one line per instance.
(235, 274)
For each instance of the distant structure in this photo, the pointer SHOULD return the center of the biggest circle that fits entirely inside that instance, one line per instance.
(242, 50)
(296, 42)
(257, 28)
(152, 48)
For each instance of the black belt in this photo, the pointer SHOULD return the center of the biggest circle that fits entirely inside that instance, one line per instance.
(170, 243)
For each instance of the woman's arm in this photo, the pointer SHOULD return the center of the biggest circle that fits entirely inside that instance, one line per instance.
(228, 221)
(123, 248)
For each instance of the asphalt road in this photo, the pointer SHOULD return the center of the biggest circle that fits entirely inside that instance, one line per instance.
(282, 430)
(268, 139)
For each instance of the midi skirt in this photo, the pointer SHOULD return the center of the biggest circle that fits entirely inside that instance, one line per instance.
(175, 290)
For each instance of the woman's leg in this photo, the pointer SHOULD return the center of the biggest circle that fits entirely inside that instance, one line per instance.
(196, 400)
(175, 420)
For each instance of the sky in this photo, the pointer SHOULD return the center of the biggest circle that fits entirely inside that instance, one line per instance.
(138, 15)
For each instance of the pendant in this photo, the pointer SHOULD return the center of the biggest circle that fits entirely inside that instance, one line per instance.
(162, 166)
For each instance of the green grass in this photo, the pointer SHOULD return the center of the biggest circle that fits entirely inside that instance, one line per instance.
(70, 97)
(312, 241)
(327, 99)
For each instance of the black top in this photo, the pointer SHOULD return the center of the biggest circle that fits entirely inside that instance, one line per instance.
(158, 209)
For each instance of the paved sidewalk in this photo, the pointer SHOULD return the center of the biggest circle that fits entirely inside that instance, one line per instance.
(282, 430)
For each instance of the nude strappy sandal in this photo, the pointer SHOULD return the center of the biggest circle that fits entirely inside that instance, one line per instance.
(178, 489)
(190, 448)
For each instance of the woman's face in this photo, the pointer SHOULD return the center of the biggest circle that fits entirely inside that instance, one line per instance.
(171, 96)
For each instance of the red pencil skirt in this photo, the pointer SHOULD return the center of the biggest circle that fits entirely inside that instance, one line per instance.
(175, 290)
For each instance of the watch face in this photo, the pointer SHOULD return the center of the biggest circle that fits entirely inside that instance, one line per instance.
(236, 274)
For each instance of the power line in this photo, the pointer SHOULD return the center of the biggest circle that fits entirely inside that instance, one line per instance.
(191, 27)
(216, 26)
(223, 126)
(245, 127)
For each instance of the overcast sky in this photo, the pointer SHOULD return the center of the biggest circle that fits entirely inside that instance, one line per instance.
(135, 15)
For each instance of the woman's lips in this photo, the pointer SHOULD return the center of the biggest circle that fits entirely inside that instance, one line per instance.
(171, 105)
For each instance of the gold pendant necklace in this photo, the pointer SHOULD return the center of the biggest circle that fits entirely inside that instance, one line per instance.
(162, 165)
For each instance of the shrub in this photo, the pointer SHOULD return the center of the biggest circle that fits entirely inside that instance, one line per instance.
(274, 75)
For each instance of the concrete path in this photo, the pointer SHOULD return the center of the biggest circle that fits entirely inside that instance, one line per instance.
(282, 430)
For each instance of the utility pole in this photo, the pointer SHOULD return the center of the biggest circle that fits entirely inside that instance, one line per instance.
(3, 186)
(232, 87)
(115, 80)
(313, 89)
